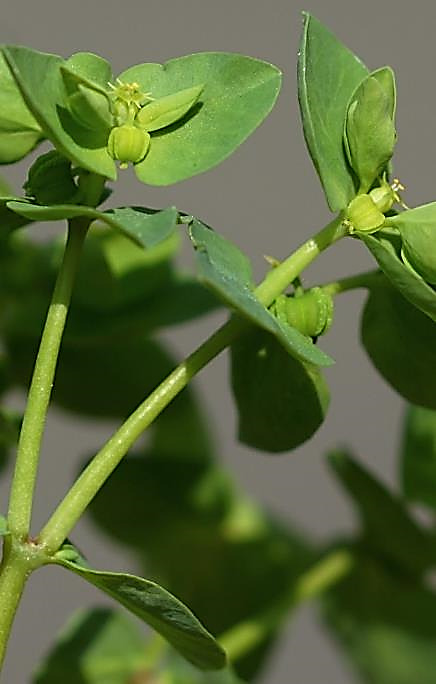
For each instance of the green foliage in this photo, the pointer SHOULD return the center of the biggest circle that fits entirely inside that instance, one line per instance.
(324, 99)
(401, 342)
(224, 268)
(418, 457)
(417, 228)
(369, 129)
(281, 401)
(158, 608)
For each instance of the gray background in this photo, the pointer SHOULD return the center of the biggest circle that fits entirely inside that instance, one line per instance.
(265, 197)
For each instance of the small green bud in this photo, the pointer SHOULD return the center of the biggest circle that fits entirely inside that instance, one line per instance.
(363, 215)
(311, 312)
(128, 144)
(51, 180)
(383, 197)
(90, 108)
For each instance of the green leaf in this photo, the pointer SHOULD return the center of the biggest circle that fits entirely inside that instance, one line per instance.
(418, 456)
(238, 94)
(159, 609)
(9, 220)
(369, 129)
(146, 227)
(401, 342)
(87, 68)
(19, 131)
(388, 529)
(281, 401)
(386, 248)
(39, 78)
(99, 646)
(386, 624)
(167, 110)
(328, 74)
(178, 671)
(418, 233)
(224, 268)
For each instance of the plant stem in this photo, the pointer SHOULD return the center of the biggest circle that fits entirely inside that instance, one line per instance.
(106, 460)
(13, 576)
(365, 280)
(24, 480)
(244, 637)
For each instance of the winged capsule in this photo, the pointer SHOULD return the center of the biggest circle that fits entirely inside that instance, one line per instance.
(311, 312)
(369, 134)
(167, 110)
(363, 215)
(128, 143)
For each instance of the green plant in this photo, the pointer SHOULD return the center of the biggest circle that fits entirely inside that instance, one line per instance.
(238, 569)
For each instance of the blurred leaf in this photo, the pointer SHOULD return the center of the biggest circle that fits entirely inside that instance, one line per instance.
(401, 342)
(9, 220)
(145, 227)
(328, 74)
(10, 423)
(99, 646)
(158, 608)
(4, 527)
(281, 402)
(39, 78)
(238, 94)
(369, 129)
(227, 270)
(178, 671)
(386, 624)
(418, 457)
(388, 529)
(386, 249)
(417, 228)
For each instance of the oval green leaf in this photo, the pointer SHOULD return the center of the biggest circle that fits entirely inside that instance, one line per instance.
(386, 248)
(167, 110)
(224, 268)
(146, 227)
(281, 401)
(238, 94)
(418, 456)
(39, 78)
(328, 74)
(401, 342)
(158, 608)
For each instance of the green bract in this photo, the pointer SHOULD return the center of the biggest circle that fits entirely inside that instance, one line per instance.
(19, 130)
(417, 228)
(198, 109)
(369, 129)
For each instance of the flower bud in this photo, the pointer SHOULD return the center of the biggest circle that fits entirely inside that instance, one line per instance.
(363, 215)
(128, 144)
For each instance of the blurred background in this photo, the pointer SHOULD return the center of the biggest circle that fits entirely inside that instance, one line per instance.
(267, 199)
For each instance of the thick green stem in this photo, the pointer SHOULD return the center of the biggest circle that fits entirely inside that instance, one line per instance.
(103, 464)
(24, 480)
(13, 576)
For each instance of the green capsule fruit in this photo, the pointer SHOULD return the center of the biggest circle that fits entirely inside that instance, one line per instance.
(311, 313)
(51, 181)
(128, 144)
(363, 215)
(167, 110)
(383, 197)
